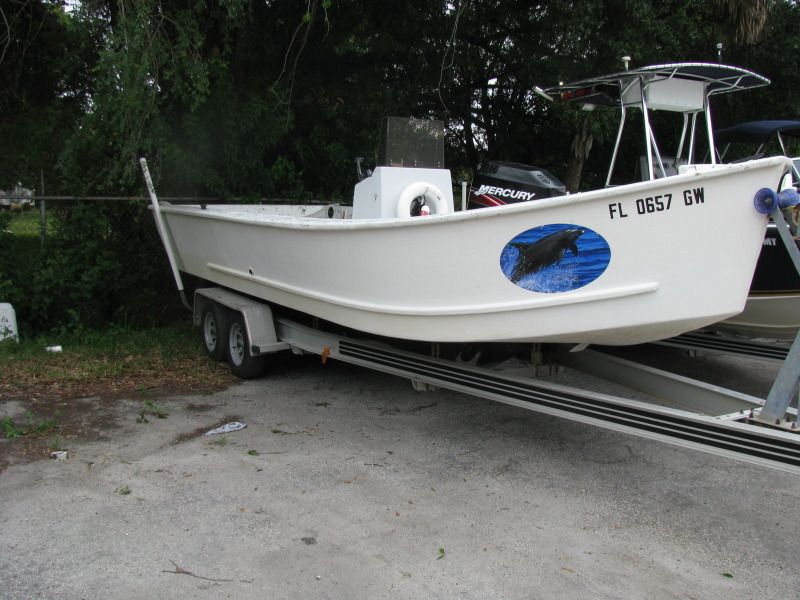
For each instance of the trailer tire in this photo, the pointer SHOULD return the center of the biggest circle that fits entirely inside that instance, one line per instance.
(212, 331)
(242, 363)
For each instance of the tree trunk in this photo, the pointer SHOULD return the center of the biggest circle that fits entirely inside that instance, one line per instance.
(747, 18)
(579, 152)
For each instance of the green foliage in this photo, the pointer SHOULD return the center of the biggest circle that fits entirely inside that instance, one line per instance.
(25, 224)
(19, 255)
(275, 99)
(152, 409)
(44, 88)
(31, 427)
(9, 292)
(10, 429)
(114, 343)
(102, 264)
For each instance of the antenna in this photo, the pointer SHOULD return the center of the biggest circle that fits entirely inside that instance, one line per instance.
(625, 60)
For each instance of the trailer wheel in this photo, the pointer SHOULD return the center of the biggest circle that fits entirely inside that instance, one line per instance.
(212, 328)
(243, 364)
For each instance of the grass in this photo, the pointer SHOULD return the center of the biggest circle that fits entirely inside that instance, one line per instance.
(26, 223)
(153, 409)
(31, 427)
(114, 360)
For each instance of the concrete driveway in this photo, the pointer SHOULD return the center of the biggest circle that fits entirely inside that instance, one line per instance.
(348, 484)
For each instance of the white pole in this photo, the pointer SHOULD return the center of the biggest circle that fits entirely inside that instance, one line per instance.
(162, 231)
(463, 195)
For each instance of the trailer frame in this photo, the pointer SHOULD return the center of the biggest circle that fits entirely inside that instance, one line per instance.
(680, 418)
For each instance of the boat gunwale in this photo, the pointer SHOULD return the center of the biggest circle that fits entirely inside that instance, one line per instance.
(322, 224)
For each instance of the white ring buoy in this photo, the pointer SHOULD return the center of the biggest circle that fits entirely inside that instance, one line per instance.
(433, 198)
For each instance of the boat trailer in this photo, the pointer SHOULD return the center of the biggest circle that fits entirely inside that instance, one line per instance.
(728, 344)
(680, 416)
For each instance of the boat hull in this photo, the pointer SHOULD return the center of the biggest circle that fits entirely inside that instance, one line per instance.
(772, 309)
(620, 266)
(775, 317)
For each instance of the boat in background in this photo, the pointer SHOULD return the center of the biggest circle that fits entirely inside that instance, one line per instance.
(773, 305)
(615, 266)
(760, 134)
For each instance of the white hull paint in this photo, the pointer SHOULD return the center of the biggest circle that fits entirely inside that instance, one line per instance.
(438, 278)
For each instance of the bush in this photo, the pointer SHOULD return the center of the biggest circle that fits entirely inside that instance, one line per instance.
(102, 265)
(9, 262)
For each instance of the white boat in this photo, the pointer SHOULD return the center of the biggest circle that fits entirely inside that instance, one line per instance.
(615, 266)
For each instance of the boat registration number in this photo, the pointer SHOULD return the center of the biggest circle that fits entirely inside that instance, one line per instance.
(654, 204)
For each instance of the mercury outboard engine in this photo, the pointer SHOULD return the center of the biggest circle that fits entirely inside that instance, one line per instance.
(498, 183)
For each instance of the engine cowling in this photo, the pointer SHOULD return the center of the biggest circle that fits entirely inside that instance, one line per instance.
(498, 183)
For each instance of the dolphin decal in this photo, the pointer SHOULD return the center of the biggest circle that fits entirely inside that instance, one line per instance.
(542, 253)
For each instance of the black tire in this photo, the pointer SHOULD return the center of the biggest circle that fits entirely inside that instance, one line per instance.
(212, 331)
(243, 364)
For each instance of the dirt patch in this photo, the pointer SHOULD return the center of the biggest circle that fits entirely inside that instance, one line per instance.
(164, 384)
(86, 410)
(199, 408)
(406, 411)
(49, 424)
(185, 437)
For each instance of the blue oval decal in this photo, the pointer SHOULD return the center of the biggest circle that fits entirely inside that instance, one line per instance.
(555, 258)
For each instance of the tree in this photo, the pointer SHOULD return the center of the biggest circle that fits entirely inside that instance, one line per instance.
(746, 18)
(43, 89)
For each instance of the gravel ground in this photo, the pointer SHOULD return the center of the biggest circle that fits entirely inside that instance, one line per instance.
(348, 484)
